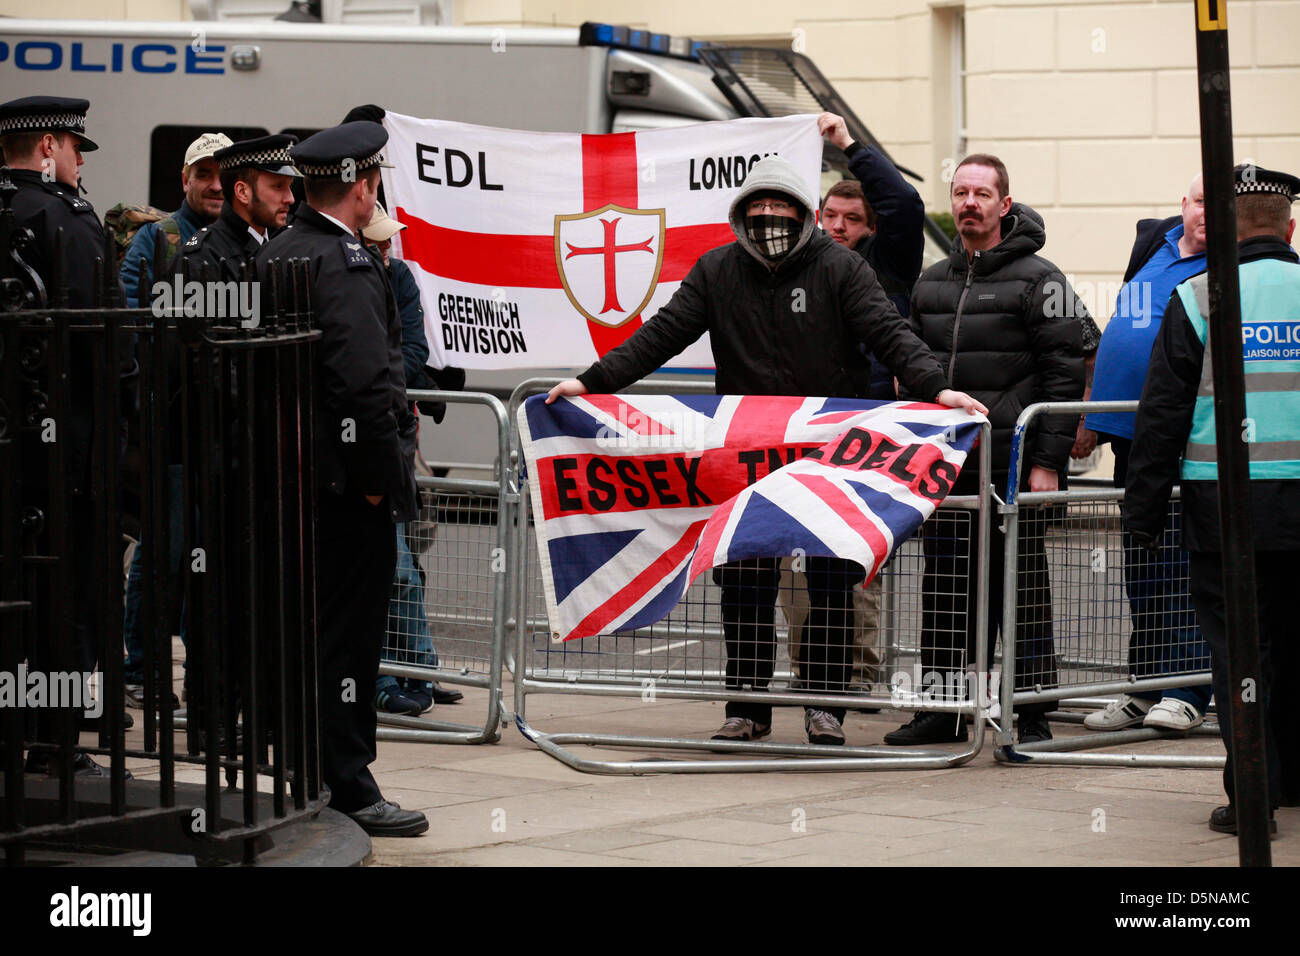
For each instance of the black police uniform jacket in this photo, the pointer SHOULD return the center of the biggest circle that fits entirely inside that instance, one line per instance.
(1008, 331)
(1164, 421)
(222, 246)
(793, 330)
(46, 207)
(364, 433)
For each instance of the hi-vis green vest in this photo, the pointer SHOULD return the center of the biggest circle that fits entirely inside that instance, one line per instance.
(1270, 328)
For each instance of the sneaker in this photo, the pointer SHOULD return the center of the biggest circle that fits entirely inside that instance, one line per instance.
(1173, 714)
(742, 728)
(929, 727)
(822, 727)
(424, 698)
(396, 701)
(1123, 711)
(1033, 728)
(1224, 820)
(135, 698)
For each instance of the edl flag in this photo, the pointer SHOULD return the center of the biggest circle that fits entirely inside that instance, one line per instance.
(550, 249)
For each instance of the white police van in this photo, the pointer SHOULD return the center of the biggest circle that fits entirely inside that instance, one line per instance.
(154, 87)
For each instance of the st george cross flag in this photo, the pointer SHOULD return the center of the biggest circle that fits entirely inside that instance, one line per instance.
(550, 249)
(634, 496)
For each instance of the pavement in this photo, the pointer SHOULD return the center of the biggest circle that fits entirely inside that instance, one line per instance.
(510, 804)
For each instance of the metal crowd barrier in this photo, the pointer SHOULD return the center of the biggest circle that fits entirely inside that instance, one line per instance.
(239, 433)
(683, 656)
(1065, 610)
(458, 615)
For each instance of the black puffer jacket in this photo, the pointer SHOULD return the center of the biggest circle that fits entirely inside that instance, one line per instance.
(784, 328)
(1006, 328)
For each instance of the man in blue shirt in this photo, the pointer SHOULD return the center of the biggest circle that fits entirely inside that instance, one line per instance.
(1165, 638)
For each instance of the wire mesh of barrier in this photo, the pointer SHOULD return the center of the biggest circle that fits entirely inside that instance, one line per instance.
(798, 631)
(1093, 614)
(446, 616)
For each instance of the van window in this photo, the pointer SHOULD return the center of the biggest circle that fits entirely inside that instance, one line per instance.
(167, 145)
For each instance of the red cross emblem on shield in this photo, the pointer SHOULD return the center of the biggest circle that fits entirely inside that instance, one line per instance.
(609, 260)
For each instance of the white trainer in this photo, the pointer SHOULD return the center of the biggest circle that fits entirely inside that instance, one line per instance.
(1173, 714)
(1124, 711)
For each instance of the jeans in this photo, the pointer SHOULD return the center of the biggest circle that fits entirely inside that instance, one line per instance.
(134, 627)
(409, 640)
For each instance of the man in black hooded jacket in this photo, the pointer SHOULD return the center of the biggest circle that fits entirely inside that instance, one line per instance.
(785, 307)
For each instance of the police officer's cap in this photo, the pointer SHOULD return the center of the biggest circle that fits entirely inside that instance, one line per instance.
(47, 114)
(270, 154)
(355, 146)
(1249, 179)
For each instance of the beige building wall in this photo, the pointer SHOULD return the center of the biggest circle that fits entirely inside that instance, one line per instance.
(1091, 103)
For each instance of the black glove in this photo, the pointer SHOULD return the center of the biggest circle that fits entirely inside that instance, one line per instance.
(1145, 540)
(369, 111)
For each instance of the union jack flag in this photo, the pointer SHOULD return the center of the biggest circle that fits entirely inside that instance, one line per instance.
(637, 495)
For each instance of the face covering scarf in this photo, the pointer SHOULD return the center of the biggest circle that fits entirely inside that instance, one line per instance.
(773, 235)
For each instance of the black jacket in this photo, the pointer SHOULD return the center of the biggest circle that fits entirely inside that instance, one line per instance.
(1164, 420)
(45, 208)
(222, 247)
(791, 331)
(894, 250)
(1007, 329)
(364, 431)
(1150, 237)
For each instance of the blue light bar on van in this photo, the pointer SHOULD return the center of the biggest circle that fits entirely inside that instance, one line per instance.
(626, 38)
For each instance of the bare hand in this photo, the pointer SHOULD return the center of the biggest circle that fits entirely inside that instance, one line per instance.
(835, 129)
(1085, 441)
(960, 400)
(374, 499)
(570, 386)
(1043, 479)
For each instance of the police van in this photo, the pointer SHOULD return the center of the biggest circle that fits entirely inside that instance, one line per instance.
(154, 87)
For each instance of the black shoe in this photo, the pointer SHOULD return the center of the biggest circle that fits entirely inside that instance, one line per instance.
(442, 695)
(1224, 820)
(94, 723)
(389, 820)
(929, 727)
(1034, 727)
(40, 761)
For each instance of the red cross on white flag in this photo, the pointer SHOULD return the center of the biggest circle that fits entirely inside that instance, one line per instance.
(550, 249)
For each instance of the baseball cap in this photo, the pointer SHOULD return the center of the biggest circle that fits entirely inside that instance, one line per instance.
(205, 146)
(381, 226)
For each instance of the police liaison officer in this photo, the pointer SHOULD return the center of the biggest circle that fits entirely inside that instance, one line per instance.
(1174, 435)
(256, 178)
(364, 440)
(43, 138)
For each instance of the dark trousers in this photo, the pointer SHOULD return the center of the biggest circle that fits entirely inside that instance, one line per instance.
(1165, 638)
(948, 600)
(356, 555)
(749, 590)
(1276, 573)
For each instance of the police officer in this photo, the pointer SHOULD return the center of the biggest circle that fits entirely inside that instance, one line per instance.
(363, 433)
(1175, 422)
(257, 180)
(43, 138)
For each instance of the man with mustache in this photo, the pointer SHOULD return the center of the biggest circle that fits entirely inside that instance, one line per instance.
(1009, 330)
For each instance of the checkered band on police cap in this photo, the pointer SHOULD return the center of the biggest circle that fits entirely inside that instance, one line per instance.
(336, 169)
(262, 157)
(1249, 179)
(44, 122)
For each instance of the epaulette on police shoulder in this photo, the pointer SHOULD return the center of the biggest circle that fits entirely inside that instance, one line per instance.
(355, 255)
(72, 199)
(196, 240)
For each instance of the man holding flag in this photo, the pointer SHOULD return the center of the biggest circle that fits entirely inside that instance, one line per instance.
(786, 309)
